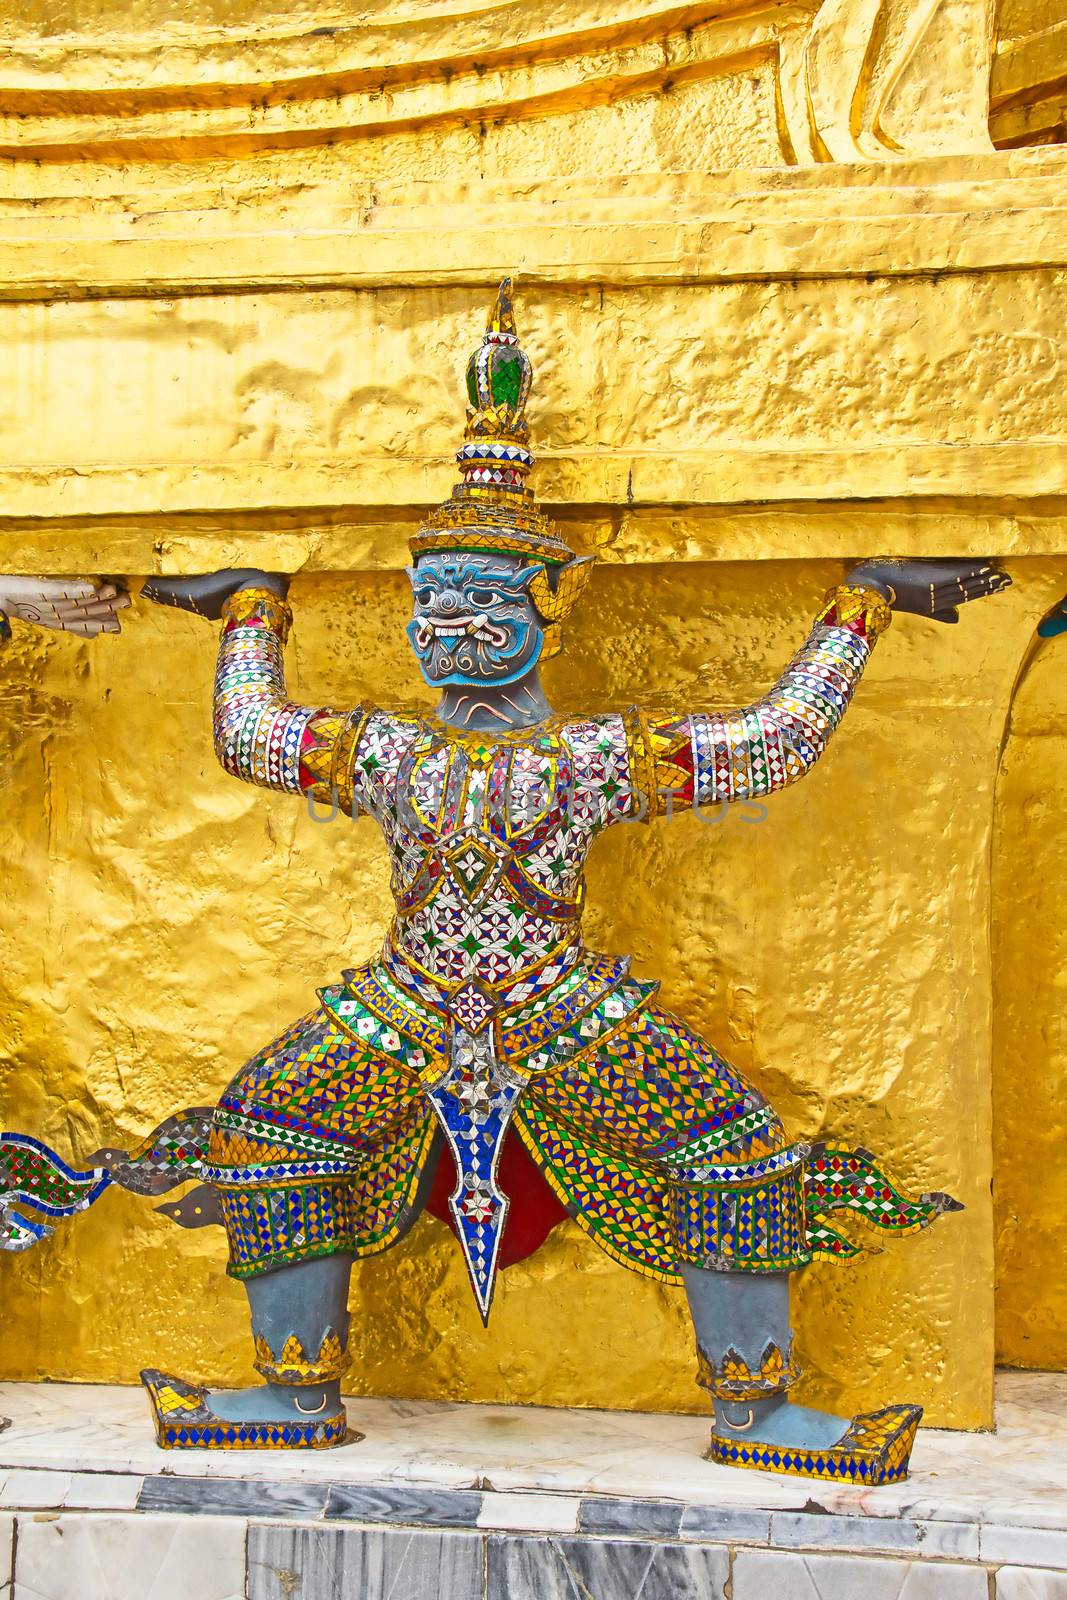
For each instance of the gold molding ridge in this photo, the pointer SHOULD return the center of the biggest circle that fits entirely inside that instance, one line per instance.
(992, 212)
(599, 480)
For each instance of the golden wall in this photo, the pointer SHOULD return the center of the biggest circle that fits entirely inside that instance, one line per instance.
(1030, 1047)
(787, 305)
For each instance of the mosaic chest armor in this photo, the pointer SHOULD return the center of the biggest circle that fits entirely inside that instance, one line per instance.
(488, 842)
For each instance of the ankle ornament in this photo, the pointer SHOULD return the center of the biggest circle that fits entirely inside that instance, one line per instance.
(311, 1411)
(728, 1421)
(731, 1380)
(295, 1367)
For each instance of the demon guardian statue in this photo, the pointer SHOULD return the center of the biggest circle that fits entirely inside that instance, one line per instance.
(485, 1019)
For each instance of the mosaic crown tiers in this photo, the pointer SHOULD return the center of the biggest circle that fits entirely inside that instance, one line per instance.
(491, 509)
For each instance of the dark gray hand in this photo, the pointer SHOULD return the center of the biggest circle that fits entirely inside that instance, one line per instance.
(207, 593)
(932, 589)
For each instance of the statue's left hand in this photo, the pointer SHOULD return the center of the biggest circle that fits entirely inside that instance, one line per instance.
(934, 589)
(205, 593)
(71, 605)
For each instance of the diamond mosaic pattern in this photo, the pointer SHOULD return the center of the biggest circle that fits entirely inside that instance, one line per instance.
(751, 753)
(648, 1088)
(184, 1421)
(875, 1450)
(318, 1077)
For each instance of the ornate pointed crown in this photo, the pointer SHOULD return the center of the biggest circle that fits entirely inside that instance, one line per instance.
(491, 509)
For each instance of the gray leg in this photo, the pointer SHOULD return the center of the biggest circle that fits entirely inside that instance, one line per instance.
(300, 1328)
(747, 1310)
(304, 1302)
(745, 1337)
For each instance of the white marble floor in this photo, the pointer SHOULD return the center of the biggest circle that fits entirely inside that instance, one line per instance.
(1015, 1478)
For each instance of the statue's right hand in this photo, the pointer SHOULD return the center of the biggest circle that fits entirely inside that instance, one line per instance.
(207, 592)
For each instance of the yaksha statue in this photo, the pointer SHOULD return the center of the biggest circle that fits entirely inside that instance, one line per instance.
(485, 1020)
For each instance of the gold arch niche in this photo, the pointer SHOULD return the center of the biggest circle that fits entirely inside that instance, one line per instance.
(1030, 1017)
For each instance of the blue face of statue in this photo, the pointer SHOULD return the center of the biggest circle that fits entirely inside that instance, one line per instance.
(473, 620)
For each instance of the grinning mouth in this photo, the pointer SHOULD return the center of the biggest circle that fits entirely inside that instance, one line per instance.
(450, 632)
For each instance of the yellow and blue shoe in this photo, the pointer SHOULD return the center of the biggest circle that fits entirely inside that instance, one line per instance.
(875, 1449)
(185, 1421)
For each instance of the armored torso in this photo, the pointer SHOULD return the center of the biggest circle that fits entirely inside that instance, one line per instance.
(488, 837)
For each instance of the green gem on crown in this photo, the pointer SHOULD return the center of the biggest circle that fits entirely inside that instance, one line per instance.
(490, 508)
(497, 375)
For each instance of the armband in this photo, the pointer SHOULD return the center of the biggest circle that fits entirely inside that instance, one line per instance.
(257, 608)
(858, 608)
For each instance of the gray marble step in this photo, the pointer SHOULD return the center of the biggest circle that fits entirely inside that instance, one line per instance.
(451, 1502)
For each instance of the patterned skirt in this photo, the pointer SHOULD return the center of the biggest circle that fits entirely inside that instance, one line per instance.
(656, 1146)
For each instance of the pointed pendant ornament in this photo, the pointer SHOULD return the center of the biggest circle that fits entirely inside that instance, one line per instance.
(474, 1101)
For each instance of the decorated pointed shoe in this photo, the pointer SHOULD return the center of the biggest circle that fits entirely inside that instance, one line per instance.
(185, 1421)
(875, 1449)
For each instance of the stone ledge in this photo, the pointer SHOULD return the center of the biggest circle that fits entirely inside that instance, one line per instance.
(944, 215)
(115, 1556)
(344, 540)
(603, 483)
(505, 1503)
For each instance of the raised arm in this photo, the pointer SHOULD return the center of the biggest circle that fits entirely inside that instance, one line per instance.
(260, 734)
(701, 758)
(704, 758)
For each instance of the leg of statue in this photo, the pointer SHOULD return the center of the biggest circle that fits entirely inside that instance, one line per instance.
(744, 1341)
(738, 1208)
(300, 1336)
(319, 1150)
(300, 1333)
(742, 1325)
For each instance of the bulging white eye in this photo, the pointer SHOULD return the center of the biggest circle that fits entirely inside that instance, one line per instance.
(425, 597)
(483, 598)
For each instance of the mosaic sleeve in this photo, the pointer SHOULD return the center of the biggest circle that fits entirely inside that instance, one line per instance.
(701, 758)
(260, 735)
